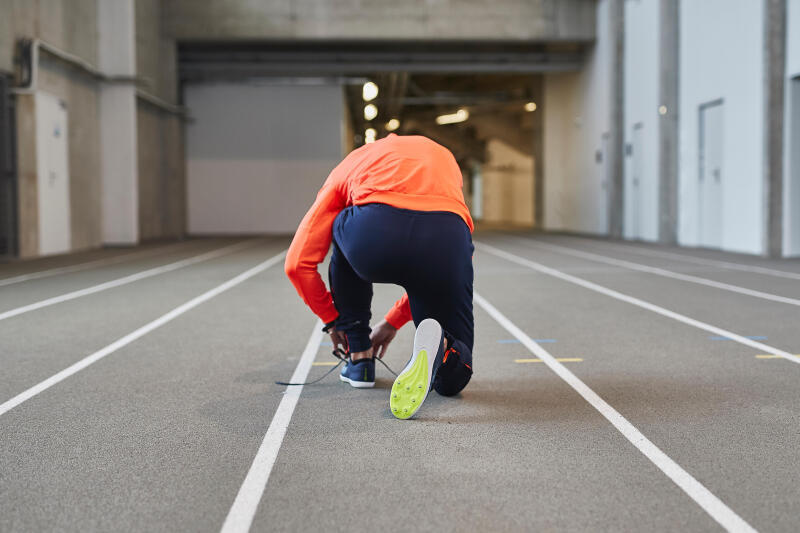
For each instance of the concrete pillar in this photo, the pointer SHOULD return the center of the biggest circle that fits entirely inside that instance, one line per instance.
(616, 185)
(538, 155)
(27, 178)
(774, 79)
(668, 76)
(119, 152)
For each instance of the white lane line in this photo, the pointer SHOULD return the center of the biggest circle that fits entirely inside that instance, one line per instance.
(663, 272)
(219, 252)
(712, 505)
(635, 301)
(244, 507)
(89, 264)
(142, 331)
(710, 262)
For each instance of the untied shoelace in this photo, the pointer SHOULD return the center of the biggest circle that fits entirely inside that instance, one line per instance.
(343, 357)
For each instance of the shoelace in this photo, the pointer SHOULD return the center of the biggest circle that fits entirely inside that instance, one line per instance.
(343, 357)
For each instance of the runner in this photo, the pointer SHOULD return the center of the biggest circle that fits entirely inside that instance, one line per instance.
(395, 213)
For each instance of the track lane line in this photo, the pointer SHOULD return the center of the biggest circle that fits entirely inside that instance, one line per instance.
(761, 347)
(141, 332)
(590, 256)
(712, 505)
(219, 252)
(87, 265)
(240, 517)
(708, 262)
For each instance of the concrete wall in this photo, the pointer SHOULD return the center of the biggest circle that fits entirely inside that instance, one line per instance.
(577, 121)
(257, 154)
(69, 25)
(722, 58)
(561, 169)
(508, 182)
(73, 26)
(62, 23)
(641, 119)
(162, 174)
(791, 231)
(162, 179)
(380, 19)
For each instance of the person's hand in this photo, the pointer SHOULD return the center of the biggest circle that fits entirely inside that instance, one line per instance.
(381, 336)
(338, 339)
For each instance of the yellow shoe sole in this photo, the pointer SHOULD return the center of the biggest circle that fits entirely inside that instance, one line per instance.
(414, 382)
(410, 388)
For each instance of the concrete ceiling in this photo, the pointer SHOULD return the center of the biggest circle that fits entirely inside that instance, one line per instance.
(203, 61)
(495, 103)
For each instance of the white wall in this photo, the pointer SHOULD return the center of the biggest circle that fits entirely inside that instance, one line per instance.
(721, 49)
(577, 115)
(641, 108)
(791, 233)
(257, 154)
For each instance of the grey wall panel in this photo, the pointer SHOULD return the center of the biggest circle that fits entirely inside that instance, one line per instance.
(256, 155)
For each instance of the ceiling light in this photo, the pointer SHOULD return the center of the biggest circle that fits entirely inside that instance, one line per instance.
(530, 106)
(459, 116)
(369, 91)
(369, 135)
(662, 110)
(392, 125)
(370, 111)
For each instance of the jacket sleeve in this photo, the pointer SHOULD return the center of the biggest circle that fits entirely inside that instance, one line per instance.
(310, 246)
(400, 313)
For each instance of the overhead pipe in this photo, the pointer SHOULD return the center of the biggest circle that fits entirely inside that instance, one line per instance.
(29, 52)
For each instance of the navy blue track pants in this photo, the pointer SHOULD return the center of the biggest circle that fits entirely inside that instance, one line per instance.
(429, 254)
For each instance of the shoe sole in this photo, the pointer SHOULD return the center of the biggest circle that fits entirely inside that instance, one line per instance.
(357, 384)
(412, 385)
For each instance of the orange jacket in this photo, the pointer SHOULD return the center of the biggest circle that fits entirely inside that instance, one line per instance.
(409, 172)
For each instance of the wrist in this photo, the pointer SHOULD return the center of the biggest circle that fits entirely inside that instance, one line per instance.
(389, 322)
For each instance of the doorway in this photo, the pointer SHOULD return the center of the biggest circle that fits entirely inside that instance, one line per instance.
(710, 174)
(637, 167)
(52, 168)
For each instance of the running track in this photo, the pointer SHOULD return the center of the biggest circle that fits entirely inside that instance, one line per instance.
(618, 386)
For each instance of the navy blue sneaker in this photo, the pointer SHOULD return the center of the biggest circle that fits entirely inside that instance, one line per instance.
(359, 374)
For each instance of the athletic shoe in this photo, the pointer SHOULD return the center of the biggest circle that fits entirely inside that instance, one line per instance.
(359, 374)
(414, 382)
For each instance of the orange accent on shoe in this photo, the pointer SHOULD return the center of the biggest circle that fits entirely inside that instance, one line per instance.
(466, 365)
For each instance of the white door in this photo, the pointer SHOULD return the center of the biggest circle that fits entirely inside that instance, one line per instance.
(711, 176)
(52, 166)
(636, 181)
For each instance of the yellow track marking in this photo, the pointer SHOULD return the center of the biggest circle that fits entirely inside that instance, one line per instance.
(559, 359)
(770, 356)
(324, 363)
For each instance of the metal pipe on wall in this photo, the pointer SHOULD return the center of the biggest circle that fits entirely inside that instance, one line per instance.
(29, 55)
